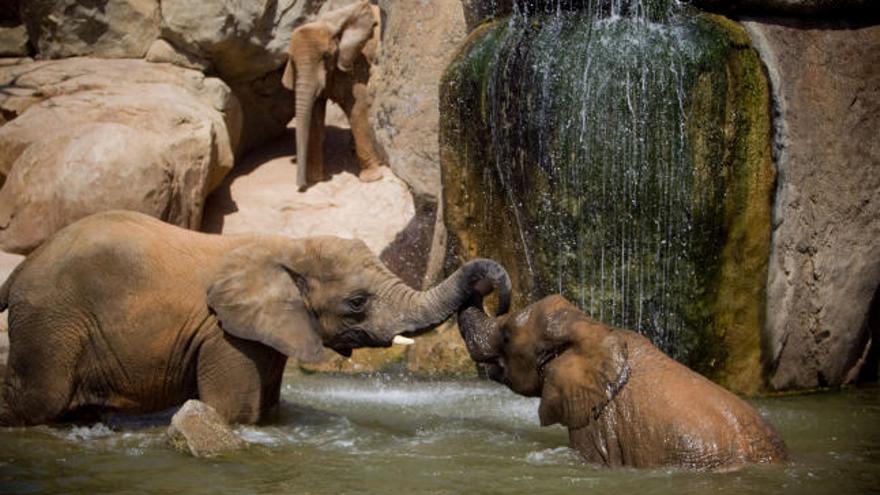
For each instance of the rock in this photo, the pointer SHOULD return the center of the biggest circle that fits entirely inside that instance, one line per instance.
(13, 41)
(162, 51)
(419, 40)
(261, 196)
(825, 259)
(534, 182)
(103, 28)
(796, 8)
(88, 135)
(246, 44)
(199, 430)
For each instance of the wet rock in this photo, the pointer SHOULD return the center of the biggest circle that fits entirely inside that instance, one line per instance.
(85, 135)
(199, 430)
(546, 179)
(107, 28)
(13, 41)
(441, 353)
(825, 260)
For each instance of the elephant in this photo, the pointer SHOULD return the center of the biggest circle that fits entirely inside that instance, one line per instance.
(624, 402)
(330, 58)
(120, 313)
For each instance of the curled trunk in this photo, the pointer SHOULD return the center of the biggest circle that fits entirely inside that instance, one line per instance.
(468, 284)
(480, 333)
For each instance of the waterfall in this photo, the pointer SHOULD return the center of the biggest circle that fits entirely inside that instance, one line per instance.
(603, 137)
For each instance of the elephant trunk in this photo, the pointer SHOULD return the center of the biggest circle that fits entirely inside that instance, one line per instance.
(474, 280)
(480, 333)
(306, 93)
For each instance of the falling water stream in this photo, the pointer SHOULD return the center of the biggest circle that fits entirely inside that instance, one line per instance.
(381, 435)
(601, 149)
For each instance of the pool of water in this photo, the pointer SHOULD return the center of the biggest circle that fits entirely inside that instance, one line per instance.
(389, 435)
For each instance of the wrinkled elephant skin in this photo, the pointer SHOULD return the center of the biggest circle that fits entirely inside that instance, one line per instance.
(122, 313)
(625, 403)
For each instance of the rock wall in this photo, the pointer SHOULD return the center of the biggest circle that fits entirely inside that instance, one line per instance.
(419, 38)
(825, 259)
(646, 203)
(243, 43)
(83, 135)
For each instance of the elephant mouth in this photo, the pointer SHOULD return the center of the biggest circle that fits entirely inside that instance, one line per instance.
(348, 340)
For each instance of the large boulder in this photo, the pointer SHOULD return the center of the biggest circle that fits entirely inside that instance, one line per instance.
(198, 429)
(825, 259)
(100, 28)
(13, 41)
(87, 135)
(419, 39)
(245, 44)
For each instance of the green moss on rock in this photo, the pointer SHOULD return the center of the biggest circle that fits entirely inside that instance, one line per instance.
(624, 165)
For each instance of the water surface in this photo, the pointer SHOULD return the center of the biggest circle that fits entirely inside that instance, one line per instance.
(394, 435)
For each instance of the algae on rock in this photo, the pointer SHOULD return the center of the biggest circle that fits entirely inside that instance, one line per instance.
(625, 164)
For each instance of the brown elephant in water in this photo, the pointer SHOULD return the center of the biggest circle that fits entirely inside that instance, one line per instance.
(122, 313)
(330, 57)
(625, 403)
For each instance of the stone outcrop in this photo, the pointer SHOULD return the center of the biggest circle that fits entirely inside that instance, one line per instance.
(419, 39)
(13, 41)
(245, 44)
(103, 28)
(198, 429)
(825, 260)
(83, 135)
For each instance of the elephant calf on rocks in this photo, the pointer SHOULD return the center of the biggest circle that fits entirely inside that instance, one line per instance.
(625, 403)
(120, 312)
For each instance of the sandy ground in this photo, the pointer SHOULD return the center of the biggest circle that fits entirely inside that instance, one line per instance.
(260, 195)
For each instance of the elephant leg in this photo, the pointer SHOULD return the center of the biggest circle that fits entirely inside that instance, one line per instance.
(239, 378)
(315, 167)
(39, 384)
(357, 109)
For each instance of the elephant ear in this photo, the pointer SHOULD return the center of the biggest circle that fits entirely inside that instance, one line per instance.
(583, 380)
(257, 297)
(289, 76)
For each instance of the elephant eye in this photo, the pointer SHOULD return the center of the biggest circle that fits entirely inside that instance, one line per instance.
(357, 303)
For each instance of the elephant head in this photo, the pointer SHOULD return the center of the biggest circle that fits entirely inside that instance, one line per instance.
(550, 350)
(335, 39)
(297, 295)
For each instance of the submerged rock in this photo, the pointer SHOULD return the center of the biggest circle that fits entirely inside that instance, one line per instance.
(85, 135)
(198, 429)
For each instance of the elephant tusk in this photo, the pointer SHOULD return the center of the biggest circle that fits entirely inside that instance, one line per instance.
(401, 340)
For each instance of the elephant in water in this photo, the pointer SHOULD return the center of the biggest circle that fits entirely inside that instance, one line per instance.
(625, 403)
(122, 313)
(330, 57)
